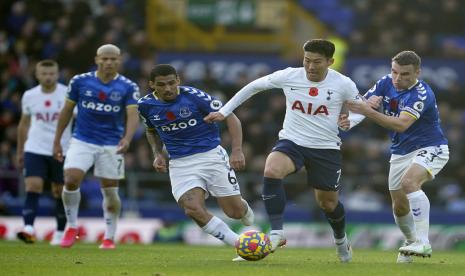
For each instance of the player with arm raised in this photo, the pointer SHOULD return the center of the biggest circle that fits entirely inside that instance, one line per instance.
(104, 100)
(41, 106)
(198, 165)
(419, 148)
(314, 98)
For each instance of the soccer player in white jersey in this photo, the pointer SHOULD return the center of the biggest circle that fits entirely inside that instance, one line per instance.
(314, 98)
(101, 135)
(41, 106)
(199, 166)
(419, 148)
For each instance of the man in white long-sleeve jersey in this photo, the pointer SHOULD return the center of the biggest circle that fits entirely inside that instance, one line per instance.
(315, 95)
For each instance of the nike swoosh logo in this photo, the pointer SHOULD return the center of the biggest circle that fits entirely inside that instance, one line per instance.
(292, 88)
(267, 197)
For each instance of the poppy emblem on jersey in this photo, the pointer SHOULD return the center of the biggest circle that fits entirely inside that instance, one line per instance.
(170, 116)
(115, 96)
(47, 103)
(184, 112)
(313, 91)
(393, 105)
(102, 96)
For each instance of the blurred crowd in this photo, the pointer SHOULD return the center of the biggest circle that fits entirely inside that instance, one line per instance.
(70, 31)
(433, 28)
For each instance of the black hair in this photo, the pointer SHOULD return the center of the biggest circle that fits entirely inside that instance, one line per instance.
(407, 58)
(320, 46)
(162, 70)
(47, 63)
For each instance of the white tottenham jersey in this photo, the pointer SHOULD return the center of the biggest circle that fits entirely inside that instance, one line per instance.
(44, 109)
(312, 108)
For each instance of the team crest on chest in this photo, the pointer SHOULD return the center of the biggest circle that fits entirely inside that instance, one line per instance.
(184, 112)
(329, 92)
(115, 96)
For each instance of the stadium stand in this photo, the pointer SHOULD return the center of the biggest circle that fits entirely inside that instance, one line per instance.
(69, 31)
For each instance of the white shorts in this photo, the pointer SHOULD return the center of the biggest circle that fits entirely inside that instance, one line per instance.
(107, 163)
(207, 170)
(433, 159)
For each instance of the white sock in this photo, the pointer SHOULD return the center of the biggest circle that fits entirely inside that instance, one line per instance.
(218, 229)
(407, 226)
(111, 210)
(419, 204)
(71, 201)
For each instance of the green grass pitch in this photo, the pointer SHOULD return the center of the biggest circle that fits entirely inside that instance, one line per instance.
(176, 259)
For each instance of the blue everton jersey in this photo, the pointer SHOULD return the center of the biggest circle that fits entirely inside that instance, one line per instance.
(180, 124)
(420, 103)
(101, 107)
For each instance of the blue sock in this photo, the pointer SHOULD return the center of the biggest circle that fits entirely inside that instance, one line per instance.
(30, 208)
(274, 198)
(337, 220)
(60, 214)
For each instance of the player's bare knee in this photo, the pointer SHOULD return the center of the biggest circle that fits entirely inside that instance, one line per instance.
(327, 205)
(72, 182)
(409, 185)
(34, 188)
(273, 172)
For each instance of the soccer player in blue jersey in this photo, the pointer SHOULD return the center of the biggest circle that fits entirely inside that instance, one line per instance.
(105, 124)
(198, 165)
(419, 148)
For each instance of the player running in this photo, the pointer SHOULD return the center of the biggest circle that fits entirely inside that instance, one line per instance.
(314, 98)
(41, 106)
(198, 165)
(104, 99)
(419, 148)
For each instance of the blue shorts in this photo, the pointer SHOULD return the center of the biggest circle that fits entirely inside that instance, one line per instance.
(323, 165)
(43, 166)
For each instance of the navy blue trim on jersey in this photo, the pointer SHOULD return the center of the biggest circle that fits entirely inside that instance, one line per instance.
(43, 166)
(323, 165)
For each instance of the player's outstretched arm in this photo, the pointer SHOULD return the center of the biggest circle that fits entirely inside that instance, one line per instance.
(237, 159)
(160, 157)
(132, 122)
(397, 124)
(23, 128)
(63, 120)
(214, 117)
